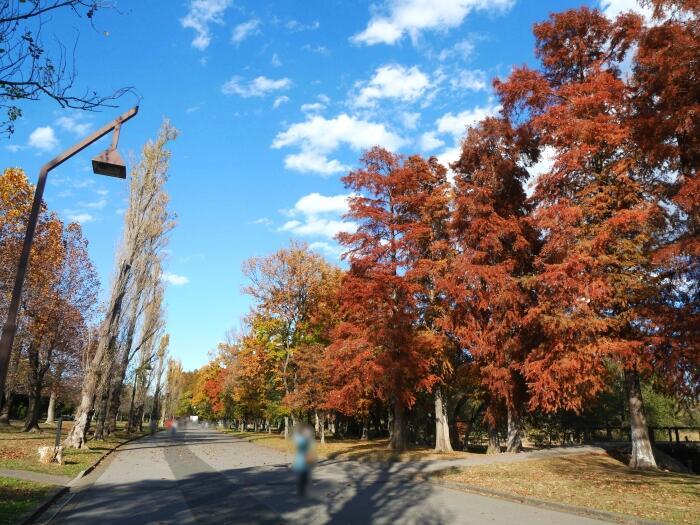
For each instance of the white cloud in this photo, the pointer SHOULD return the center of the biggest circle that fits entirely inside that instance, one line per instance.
(330, 250)
(612, 8)
(319, 49)
(74, 125)
(43, 138)
(192, 109)
(544, 165)
(103, 193)
(319, 226)
(470, 79)
(201, 14)
(312, 161)
(295, 25)
(275, 60)
(461, 50)
(263, 220)
(14, 148)
(279, 101)
(316, 215)
(315, 204)
(80, 218)
(392, 81)
(313, 108)
(457, 125)
(258, 87)
(174, 279)
(318, 136)
(448, 156)
(244, 30)
(409, 120)
(95, 205)
(414, 16)
(428, 141)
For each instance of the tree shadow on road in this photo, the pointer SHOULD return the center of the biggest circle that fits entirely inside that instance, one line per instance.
(341, 492)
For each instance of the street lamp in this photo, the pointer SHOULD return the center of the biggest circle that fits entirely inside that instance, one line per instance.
(108, 163)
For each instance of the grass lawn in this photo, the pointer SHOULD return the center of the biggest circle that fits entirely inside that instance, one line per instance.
(371, 450)
(17, 497)
(18, 450)
(595, 481)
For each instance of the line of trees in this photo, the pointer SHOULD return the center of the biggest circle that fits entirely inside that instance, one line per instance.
(58, 305)
(99, 362)
(470, 291)
(131, 331)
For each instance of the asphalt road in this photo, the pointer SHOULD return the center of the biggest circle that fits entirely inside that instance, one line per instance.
(206, 477)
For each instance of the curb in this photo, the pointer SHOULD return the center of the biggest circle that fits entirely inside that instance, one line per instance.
(550, 505)
(56, 493)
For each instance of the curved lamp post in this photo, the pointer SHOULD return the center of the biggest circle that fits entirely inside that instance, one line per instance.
(107, 163)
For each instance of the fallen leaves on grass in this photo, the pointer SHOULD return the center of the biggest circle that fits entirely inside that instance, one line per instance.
(595, 481)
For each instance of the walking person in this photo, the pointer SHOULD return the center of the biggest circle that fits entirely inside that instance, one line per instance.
(304, 457)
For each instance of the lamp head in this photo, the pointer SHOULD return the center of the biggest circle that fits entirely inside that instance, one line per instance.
(109, 163)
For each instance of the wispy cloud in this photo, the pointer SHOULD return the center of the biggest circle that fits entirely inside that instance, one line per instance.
(295, 25)
(200, 16)
(244, 30)
(174, 279)
(74, 124)
(80, 218)
(283, 99)
(258, 87)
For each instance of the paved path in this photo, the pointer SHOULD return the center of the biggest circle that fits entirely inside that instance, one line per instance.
(206, 477)
(39, 477)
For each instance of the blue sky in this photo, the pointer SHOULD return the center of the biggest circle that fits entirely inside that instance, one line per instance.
(275, 100)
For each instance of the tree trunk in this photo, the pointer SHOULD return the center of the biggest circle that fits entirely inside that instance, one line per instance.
(7, 408)
(365, 430)
(442, 428)
(642, 453)
(51, 413)
(103, 356)
(322, 427)
(514, 442)
(399, 431)
(494, 446)
(102, 408)
(130, 416)
(286, 427)
(31, 421)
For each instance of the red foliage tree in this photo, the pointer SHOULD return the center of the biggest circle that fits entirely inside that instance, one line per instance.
(495, 249)
(379, 344)
(598, 219)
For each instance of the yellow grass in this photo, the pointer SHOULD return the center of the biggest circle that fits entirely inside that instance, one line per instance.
(370, 450)
(593, 480)
(18, 450)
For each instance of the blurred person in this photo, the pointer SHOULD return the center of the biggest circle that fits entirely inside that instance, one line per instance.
(304, 457)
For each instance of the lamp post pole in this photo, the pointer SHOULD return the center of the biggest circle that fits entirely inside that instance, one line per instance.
(10, 327)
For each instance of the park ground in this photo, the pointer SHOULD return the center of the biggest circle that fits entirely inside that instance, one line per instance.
(19, 458)
(594, 479)
(203, 476)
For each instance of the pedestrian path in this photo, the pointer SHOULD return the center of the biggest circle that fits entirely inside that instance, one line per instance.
(37, 477)
(207, 477)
